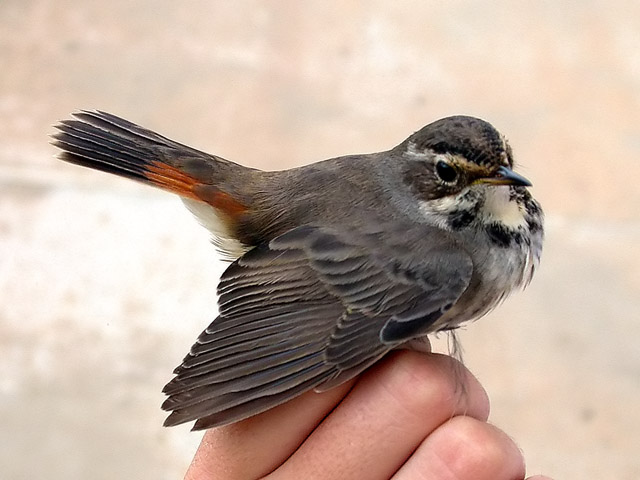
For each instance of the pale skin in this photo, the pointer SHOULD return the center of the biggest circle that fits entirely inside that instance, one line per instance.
(408, 417)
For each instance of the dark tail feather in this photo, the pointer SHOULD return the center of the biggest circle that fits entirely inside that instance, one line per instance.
(111, 144)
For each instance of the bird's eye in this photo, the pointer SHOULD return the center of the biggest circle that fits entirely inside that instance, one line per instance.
(446, 172)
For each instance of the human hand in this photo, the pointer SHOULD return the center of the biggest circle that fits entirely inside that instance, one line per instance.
(411, 416)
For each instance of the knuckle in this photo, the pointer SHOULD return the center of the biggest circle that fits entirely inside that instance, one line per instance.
(475, 446)
(423, 385)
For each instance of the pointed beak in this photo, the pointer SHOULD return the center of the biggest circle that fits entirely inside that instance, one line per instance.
(505, 176)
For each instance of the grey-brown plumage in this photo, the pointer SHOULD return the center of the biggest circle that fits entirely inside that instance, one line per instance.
(338, 262)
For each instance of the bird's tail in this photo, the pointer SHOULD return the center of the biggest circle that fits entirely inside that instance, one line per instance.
(218, 192)
(111, 144)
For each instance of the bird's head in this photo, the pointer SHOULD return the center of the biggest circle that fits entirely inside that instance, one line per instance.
(460, 169)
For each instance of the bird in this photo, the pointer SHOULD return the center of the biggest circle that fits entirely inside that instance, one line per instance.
(333, 264)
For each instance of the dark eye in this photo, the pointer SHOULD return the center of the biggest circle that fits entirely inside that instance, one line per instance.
(446, 172)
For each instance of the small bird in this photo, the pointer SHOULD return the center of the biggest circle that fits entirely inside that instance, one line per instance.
(334, 263)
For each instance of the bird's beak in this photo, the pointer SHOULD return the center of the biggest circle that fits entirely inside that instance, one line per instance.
(505, 176)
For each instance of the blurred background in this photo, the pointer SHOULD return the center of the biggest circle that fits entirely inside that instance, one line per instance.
(105, 284)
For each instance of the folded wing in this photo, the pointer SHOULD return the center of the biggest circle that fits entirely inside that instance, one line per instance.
(310, 310)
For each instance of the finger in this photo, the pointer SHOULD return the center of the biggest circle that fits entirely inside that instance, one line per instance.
(465, 449)
(385, 417)
(256, 446)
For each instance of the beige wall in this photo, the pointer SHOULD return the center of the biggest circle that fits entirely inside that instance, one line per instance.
(105, 284)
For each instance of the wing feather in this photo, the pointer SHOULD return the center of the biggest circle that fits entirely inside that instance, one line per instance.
(311, 309)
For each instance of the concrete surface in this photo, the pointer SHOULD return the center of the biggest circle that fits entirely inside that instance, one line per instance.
(105, 284)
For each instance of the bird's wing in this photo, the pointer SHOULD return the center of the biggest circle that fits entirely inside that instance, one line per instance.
(312, 309)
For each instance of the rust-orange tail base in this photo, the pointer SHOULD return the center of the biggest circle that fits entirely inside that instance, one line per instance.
(171, 179)
(111, 144)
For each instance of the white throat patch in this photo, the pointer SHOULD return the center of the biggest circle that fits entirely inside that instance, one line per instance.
(498, 207)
